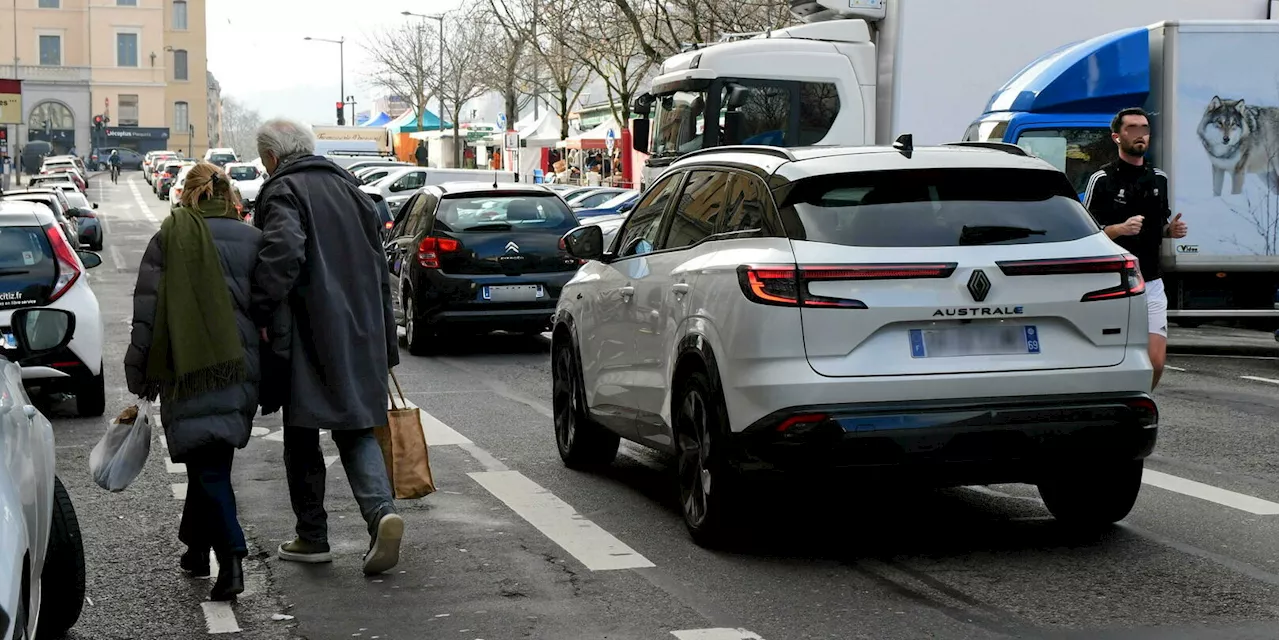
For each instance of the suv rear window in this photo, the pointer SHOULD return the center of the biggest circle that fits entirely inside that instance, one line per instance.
(221, 158)
(243, 173)
(27, 267)
(940, 208)
(505, 212)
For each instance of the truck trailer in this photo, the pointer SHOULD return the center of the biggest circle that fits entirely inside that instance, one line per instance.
(1212, 89)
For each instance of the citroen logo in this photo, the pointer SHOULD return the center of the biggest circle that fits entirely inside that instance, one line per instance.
(979, 285)
(513, 247)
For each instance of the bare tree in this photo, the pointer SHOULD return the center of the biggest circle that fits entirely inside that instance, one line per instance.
(664, 27)
(509, 65)
(240, 127)
(402, 64)
(465, 61)
(608, 48)
(548, 26)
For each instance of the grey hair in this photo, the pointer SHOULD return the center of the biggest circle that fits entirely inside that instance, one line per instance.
(283, 138)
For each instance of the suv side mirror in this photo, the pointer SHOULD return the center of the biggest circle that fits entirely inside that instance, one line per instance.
(38, 331)
(90, 259)
(585, 242)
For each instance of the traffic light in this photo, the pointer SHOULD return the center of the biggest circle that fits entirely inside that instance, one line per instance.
(97, 122)
(342, 115)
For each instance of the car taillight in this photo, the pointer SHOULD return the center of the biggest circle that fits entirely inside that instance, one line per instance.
(1131, 282)
(1146, 408)
(388, 224)
(68, 264)
(789, 286)
(430, 250)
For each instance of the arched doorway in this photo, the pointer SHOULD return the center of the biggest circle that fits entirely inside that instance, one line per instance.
(53, 121)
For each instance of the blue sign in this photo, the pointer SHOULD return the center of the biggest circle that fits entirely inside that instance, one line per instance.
(502, 121)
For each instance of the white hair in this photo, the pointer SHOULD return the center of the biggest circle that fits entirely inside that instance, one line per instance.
(283, 138)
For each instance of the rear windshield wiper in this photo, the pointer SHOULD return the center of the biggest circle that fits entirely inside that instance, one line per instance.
(490, 226)
(984, 234)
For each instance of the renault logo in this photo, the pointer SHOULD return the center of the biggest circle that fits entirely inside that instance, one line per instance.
(513, 247)
(979, 285)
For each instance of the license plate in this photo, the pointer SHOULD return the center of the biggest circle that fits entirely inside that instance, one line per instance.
(513, 293)
(993, 340)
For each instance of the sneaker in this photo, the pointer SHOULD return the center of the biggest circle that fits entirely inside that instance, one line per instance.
(384, 553)
(303, 551)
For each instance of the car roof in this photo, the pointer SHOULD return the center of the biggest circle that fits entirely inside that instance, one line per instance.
(24, 212)
(803, 162)
(463, 188)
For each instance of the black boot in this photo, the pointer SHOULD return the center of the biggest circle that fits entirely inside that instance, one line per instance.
(230, 582)
(195, 562)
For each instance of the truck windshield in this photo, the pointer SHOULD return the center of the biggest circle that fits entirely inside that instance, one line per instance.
(678, 124)
(1077, 152)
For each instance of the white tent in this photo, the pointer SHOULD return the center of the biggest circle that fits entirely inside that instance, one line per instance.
(595, 138)
(544, 132)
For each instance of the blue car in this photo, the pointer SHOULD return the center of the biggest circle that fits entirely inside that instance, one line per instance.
(621, 203)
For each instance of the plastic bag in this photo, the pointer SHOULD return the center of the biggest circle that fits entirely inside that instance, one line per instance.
(119, 456)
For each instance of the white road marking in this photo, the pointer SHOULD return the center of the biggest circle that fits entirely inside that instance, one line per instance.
(179, 490)
(258, 432)
(716, 634)
(594, 547)
(219, 617)
(174, 467)
(435, 432)
(116, 257)
(1210, 493)
(1257, 379)
(329, 460)
(142, 204)
(277, 436)
(1171, 367)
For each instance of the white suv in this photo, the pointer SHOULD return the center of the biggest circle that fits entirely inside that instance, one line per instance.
(941, 316)
(39, 268)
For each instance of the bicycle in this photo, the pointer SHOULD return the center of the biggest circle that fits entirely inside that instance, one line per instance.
(115, 174)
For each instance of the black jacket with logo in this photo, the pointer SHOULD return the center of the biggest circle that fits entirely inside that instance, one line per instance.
(1120, 191)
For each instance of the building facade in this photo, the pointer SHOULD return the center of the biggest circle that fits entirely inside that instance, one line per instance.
(130, 61)
(213, 96)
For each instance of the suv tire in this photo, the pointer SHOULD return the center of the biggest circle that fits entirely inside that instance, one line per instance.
(582, 442)
(91, 396)
(1093, 497)
(708, 483)
(62, 581)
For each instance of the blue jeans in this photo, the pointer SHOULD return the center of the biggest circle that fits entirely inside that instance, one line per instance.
(209, 513)
(366, 473)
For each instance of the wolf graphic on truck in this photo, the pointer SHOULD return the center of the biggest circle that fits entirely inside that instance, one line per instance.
(1241, 139)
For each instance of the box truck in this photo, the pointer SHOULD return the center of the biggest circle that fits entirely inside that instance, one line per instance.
(1212, 88)
(862, 72)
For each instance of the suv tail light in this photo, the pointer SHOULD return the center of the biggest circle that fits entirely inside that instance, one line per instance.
(68, 265)
(431, 248)
(1131, 282)
(788, 286)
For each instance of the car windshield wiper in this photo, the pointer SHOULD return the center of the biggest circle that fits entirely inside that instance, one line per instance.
(490, 226)
(985, 234)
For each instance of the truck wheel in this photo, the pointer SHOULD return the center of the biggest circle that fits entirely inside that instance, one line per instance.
(62, 579)
(91, 397)
(1093, 497)
(581, 442)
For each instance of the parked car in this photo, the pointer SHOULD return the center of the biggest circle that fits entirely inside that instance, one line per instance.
(42, 569)
(248, 179)
(149, 161)
(84, 214)
(55, 199)
(621, 203)
(594, 197)
(49, 180)
(468, 258)
(385, 218)
(167, 177)
(924, 316)
(177, 184)
(371, 175)
(378, 162)
(42, 269)
(66, 163)
(221, 157)
(129, 158)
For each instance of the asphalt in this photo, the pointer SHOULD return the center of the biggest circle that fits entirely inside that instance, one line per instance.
(831, 561)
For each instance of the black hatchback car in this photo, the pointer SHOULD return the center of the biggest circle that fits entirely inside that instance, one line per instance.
(474, 258)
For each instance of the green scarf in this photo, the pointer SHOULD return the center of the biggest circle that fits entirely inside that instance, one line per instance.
(195, 347)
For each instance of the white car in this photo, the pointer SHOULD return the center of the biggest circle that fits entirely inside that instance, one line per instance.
(221, 156)
(179, 181)
(42, 571)
(39, 268)
(248, 179)
(941, 316)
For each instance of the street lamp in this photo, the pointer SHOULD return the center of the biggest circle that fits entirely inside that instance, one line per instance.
(342, 75)
(191, 139)
(440, 80)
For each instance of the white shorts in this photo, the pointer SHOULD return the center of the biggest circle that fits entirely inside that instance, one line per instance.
(1157, 308)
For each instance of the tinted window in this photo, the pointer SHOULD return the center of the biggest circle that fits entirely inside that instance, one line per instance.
(819, 105)
(699, 209)
(27, 267)
(940, 208)
(1079, 153)
(414, 222)
(765, 115)
(748, 206)
(243, 173)
(502, 213)
(221, 158)
(77, 200)
(641, 233)
(412, 180)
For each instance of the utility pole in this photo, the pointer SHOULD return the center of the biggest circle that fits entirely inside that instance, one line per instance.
(342, 73)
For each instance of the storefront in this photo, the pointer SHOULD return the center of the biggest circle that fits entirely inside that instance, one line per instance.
(140, 139)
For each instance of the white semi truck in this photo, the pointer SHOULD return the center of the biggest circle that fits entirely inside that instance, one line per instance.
(864, 71)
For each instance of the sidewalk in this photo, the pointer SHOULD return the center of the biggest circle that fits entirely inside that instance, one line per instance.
(1214, 340)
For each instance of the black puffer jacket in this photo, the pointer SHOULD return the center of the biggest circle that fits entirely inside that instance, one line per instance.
(224, 416)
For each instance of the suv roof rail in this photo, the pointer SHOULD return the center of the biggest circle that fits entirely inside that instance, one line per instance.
(777, 152)
(1006, 147)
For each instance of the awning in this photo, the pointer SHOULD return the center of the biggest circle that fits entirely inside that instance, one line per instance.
(379, 119)
(595, 138)
(408, 122)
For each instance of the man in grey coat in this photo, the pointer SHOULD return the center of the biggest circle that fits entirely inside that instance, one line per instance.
(322, 259)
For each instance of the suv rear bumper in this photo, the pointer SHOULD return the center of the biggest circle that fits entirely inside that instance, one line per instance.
(953, 442)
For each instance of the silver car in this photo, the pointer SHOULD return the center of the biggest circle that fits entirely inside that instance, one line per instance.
(42, 572)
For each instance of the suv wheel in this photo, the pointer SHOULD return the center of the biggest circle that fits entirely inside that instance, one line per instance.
(707, 481)
(91, 396)
(62, 579)
(582, 443)
(1093, 497)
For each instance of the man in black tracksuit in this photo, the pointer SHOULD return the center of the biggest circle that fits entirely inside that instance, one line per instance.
(1130, 199)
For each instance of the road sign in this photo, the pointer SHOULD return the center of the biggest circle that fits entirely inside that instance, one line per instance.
(511, 140)
(502, 121)
(609, 140)
(10, 102)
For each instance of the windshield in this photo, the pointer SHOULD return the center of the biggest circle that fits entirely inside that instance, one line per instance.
(242, 173)
(500, 213)
(678, 123)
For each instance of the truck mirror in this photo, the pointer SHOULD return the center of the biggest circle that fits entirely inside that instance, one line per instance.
(640, 134)
(733, 121)
(738, 96)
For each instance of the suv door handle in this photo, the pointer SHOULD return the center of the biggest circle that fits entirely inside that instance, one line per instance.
(680, 288)
(627, 292)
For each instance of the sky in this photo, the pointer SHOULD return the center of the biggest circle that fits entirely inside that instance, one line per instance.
(258, 54)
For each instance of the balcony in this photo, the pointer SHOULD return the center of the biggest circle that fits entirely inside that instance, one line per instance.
(43, 74)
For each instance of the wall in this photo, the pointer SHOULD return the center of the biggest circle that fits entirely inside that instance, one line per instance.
(194, 90)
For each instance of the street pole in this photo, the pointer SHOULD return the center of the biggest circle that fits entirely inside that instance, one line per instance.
(342, 78)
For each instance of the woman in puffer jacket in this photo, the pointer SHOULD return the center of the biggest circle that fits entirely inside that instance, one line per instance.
(195, 348)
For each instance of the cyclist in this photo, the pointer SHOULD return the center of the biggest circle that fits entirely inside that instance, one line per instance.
(115, 166)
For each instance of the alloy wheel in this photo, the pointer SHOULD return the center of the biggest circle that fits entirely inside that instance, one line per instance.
(408, 321)
(695, 455)
(564, 392)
